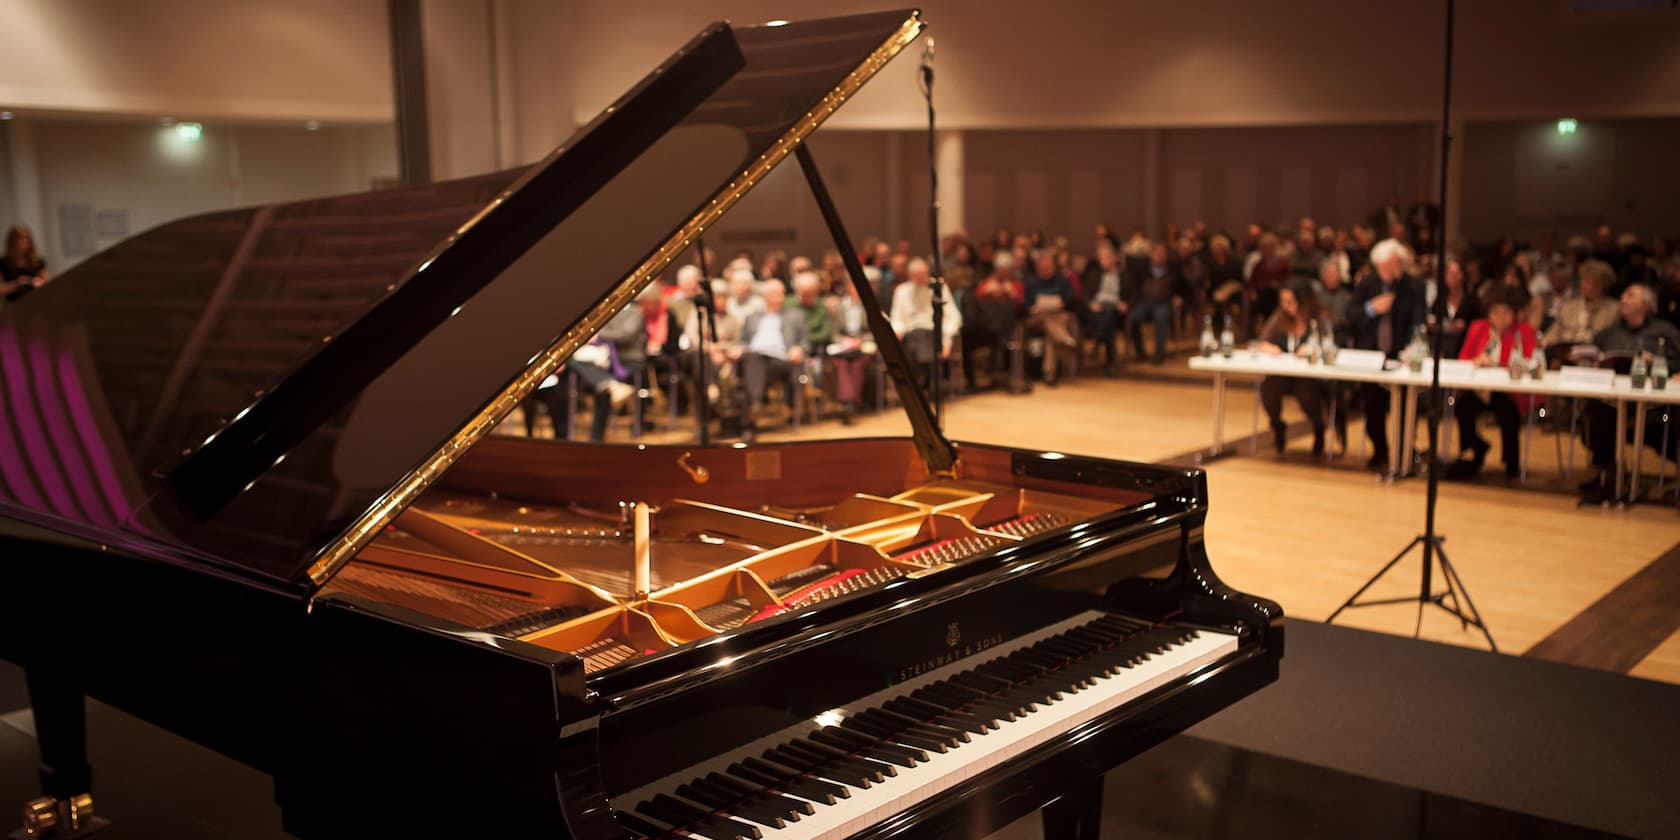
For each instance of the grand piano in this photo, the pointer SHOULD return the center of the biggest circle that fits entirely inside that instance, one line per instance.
(249, 492)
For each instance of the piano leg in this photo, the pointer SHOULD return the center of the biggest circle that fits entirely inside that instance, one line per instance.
(1077, 816)
(61, 733)
(66, 808)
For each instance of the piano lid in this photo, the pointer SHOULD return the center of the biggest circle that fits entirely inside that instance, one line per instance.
(265, 388)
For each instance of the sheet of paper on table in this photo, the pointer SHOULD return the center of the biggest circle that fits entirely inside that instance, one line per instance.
(1360, 359)
(1589, 376)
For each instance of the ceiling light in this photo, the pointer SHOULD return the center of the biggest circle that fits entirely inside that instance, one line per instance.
(189, 131)
(1567, 125)
(312, 125)
(6, 115)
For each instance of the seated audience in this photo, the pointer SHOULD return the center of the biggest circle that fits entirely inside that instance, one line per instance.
(989, 317)
(1286, 332)
(1454, 310)
(772, 346)
(22, 270)
(1634, 332)
(1270, 270)
(1588, 311)
(1050, 302)
(808, 303)
(1334, 296)
(1489, 343)
(604, 368)
(1106, 303)
(851, 351)
(1154, 289)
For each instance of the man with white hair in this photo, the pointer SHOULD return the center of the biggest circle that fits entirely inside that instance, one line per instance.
(1387, 307)
(744, 301)
(912, 318)
(1636, 331)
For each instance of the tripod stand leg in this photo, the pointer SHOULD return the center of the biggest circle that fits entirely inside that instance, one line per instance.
(1452, 590)
(1475, 616)
(1374, 578)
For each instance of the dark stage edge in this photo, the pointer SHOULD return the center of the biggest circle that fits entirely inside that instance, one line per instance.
(1365, 735)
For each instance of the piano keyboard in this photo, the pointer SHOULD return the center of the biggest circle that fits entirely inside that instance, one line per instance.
(855, 766)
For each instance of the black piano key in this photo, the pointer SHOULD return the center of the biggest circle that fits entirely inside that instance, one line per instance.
(1002, 707)
(867, 727)
(982, 681)
(703, 796)
(795, 761)
(919, 741)
(874, 770)
(842, 739)
(659, 813)
(1068, 651)
(704, 822)
(911, 720)
(1120, 622)
(952, 734)
(798, 761)
(1042, 659)
(641, 824)
(744, 809)
(951, 737)
(788, 807)
(927, 711)
(1012, 671)
(816, 790)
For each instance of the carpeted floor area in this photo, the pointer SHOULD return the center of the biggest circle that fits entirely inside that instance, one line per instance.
(1569, 744)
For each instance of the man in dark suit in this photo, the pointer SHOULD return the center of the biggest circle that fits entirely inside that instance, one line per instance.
(1387, 306)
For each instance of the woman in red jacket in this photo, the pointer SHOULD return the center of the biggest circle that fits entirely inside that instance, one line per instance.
(1489, 343)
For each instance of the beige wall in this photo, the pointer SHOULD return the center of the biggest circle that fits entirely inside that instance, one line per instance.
(149, 172)
(1085, 63)
(199, 59)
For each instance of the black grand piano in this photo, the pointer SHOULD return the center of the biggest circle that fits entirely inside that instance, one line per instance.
(249, 492)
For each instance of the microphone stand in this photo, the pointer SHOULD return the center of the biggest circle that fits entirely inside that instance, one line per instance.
(1431, 541)
(937, 286)
(707, 321)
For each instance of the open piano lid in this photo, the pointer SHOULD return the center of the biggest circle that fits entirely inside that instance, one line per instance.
(264, 389)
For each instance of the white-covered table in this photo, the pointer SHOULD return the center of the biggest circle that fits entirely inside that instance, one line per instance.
(1620, 393)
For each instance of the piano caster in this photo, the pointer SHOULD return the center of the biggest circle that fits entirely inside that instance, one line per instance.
(59, 819)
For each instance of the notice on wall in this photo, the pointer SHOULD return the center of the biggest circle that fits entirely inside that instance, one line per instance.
(75, 230)
(110, 224)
